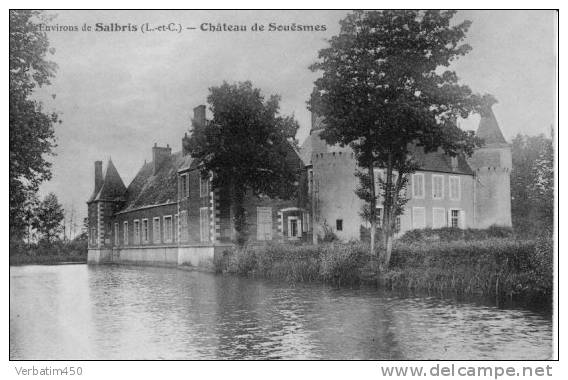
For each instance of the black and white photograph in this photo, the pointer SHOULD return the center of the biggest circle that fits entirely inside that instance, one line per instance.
(284, 185)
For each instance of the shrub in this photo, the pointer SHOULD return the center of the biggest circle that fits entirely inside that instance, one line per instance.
(44, 252)
(342, 263)
(448, 234)
(328, 235)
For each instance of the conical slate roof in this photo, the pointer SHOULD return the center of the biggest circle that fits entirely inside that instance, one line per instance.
(113, 188)
(488, 129)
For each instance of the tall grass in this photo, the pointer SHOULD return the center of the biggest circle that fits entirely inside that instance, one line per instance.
(491, 267)
(333, 263)
(497, 267)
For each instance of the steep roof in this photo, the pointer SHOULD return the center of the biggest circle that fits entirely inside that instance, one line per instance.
(112, 188)
(488, 128)
(440, 162)
(434, 161)
(147, 188)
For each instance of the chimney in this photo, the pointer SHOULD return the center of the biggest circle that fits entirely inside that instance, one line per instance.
(159, 156)
(314, 118)
(185, 144)
(98, 176)
(199, 115)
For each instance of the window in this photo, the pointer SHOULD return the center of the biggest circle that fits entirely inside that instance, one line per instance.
(136, 232)
(438, 217)
(454, 162)
(264, 223)
(203, 186)
(437, 186)
(93, 236)
(125, 239)
(379, 216)
(175, 228)
(305, 222)
(204, 224)
(167, 228)
(183, 186)
(418, 185)
(339, 224)
(455, 188)
(418, 217)
(145, 231)
(455, 219)
(116, 237)
(184, 235)
(156, 230)
(310, 181)
(294, 227)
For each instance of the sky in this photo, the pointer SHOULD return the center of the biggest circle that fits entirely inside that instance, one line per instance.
(118, 93)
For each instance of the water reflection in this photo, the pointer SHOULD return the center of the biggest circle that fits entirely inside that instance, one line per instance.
(118, 312)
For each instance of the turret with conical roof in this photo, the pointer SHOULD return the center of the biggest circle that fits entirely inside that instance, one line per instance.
(491, 164)
(488, 129)
(108, 195)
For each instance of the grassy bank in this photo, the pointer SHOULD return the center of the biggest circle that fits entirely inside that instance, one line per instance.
(502, 267)
(48, 253)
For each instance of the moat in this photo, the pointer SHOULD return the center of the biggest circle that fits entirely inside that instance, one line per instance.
(124, 312)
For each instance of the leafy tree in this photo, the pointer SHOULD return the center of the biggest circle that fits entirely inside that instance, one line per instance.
(48, 218)
(532, 183)
(245, 146)
(383, 92)
(31, 129)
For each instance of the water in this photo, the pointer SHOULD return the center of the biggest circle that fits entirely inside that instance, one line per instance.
(120, 312)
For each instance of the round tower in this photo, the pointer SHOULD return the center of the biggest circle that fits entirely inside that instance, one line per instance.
(491, 164)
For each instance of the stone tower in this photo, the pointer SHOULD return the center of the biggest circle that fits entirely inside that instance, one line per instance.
(108, 195)
(492, 167)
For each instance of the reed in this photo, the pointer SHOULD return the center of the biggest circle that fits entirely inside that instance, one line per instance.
(501, 267)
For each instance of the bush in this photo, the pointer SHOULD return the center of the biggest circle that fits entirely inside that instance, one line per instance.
(448, 234)
(44, 252)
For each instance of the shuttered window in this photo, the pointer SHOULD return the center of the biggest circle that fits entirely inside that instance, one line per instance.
(438, 217)
(437, 186)
(264, 223)
(204, 224)
(145, 231)
(456, 218)
(418, 185)
(116, 236)
(168, 229)
(156, 230)
(418, 217)
(136, 232)
(455, 188)
(125, 239)
(184, 233)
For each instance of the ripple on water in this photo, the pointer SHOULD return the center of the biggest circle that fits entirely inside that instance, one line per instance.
(119, 312)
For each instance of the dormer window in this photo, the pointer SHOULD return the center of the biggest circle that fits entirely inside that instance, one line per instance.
(454, 162)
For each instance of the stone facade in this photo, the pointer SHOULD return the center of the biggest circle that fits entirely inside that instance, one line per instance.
(457, 192)
(170, 214)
